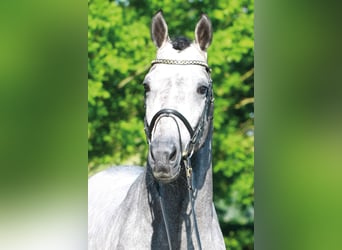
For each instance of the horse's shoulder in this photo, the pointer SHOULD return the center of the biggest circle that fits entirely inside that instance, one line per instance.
(112, 183)
(106, 191)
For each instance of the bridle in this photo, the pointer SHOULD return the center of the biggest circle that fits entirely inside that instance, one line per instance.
(195, 135)
(206, 116)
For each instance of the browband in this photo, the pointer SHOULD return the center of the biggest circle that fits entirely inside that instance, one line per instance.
(182, 62)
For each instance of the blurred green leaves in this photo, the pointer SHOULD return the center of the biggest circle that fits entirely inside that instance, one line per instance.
(119, 55)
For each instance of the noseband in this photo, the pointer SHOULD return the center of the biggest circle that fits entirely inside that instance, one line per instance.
(195, 136)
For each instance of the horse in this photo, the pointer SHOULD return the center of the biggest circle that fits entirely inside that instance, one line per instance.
(169, 203)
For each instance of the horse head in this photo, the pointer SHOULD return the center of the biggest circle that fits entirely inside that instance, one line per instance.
(178, 98)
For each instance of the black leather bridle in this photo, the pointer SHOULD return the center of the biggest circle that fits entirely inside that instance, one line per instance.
(206, 116)
(195, 134)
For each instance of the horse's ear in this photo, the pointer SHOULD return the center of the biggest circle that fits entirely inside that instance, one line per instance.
(203, 32)
(159, 31)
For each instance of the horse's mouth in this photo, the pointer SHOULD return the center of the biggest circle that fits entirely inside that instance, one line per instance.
(166, 177)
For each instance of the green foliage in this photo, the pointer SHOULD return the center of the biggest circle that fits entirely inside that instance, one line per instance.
(119, 54)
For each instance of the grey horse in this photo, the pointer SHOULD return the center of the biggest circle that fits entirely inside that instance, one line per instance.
(169, 203)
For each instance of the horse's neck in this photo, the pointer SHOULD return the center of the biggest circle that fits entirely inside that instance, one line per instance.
(202, 183)
(175, 197)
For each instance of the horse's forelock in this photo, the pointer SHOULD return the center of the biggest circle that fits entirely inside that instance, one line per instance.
(181, 43)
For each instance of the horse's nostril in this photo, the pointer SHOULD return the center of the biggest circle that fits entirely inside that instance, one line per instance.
(164, 152)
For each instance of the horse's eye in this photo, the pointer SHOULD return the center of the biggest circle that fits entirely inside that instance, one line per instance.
(202, 90)
(146, 87)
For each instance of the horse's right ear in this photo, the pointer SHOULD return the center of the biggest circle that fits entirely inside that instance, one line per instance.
(159, 31)
(203, 32)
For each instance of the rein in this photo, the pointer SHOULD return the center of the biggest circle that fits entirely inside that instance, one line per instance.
(195, 136)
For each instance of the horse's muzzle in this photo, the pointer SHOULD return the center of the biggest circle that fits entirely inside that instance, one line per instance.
(164, 158)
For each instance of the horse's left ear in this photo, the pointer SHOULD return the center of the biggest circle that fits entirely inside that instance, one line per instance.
(203, 32)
